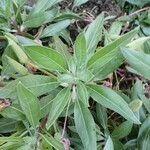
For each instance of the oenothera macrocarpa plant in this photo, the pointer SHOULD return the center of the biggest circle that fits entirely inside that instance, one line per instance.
(69, 87)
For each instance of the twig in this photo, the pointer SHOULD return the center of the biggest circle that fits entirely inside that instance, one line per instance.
(138, 11)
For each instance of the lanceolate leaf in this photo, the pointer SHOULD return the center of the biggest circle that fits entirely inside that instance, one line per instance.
(139, 61)
(109, 144)
(17, 66)
(144, 135)
(109, 58)
(94, 34)
(7, 125)
(80, 49)
(38, 85)
(46, 58)
(101, 115)
(83, 93)
(29, 104)
(109, 99)
(122, 130)
(58, 105)
(36, 20)
(18, 50)
(61, 48)
(85, 126)
(55, 28)
(14, 112)
(53, 142)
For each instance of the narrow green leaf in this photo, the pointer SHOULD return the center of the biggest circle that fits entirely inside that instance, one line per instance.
(122, 130)
(7, 125)
(139, 61)
(108, 58)
(57, 106)
(80, 49)
(101, 115)
(38, 19)
(61, 48)
(143, 140)
(85, 126)
(139, 43)
(29, 104)
(13, 112)
(17, 66)
(46, 102)
(38, 85)
(94, 33)
(55, 28)
(109, 99)
(53, 142)
(109, 144)
(145, 101)
(82, 93)
(135, 105)
(46, 58)
(18, 50)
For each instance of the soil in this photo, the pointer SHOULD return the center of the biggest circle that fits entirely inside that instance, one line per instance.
(92, 8)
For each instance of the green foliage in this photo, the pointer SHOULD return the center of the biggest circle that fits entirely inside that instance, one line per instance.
(52, 98)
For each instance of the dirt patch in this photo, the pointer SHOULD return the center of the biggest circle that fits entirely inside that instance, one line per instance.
(95, 7)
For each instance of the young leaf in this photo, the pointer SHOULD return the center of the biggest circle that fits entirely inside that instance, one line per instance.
(82, 93)
(13, 112)
(18, 50)
(29, 104)
(101, 115)
(17, 66)
(109, 144)
(109, 99)
(38, 85)
(139, 61)
(143, 140)
(122, 130)
(145, 101)
(135, 105)
(55, 28)
(57, 106)
(85, 126)
(36, 20)
(139, 43)
(94, 33)
(46, 58)
(61, 48)
(80, 49)
(108, 58)
(53, 142)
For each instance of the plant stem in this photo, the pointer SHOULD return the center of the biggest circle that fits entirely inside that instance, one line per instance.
(65, 122)
(38, 131)
(43, 71)
(138, 11)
